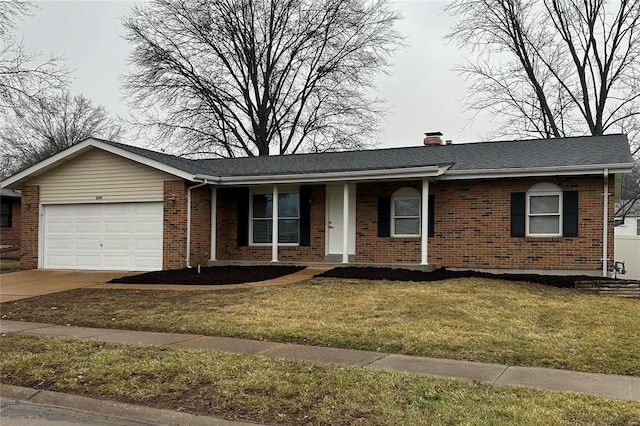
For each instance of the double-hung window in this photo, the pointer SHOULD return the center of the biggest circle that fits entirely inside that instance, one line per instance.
(405, 213)
(544, 210)
(288, 217)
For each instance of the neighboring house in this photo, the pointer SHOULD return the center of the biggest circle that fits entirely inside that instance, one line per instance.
(9, 217)
(627, 237)
(534, 205)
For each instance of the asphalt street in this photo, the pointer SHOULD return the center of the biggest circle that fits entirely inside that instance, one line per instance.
(20, 413)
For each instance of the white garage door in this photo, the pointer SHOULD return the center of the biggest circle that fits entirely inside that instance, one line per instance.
(126, 236)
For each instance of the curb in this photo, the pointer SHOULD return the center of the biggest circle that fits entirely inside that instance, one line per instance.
(155, 416)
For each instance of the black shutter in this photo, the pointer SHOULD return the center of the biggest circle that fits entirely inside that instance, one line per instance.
(432, 216)
(242, 200)
(305, 216)
(570, 213)
(518, 202)
(384, 216)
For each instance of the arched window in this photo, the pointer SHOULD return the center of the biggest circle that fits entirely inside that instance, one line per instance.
(544, 210)
(405, 213)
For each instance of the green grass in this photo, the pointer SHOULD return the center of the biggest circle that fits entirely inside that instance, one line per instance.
(470, 319)
(286, 392)
(9, 261)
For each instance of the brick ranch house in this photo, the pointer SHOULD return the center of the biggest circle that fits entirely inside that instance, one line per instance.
(531, 205)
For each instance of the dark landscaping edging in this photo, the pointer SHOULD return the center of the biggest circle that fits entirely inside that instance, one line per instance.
(211, 275)
(628, 289)
(373, 273)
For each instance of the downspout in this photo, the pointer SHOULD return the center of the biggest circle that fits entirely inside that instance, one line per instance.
(605, 225)
(189, 220)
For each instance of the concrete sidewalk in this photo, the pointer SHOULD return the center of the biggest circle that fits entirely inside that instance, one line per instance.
(76, 410)
(607, 385)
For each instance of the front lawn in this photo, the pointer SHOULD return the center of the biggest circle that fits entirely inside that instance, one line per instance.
(9, 261)
(285, 392)
(471, 319)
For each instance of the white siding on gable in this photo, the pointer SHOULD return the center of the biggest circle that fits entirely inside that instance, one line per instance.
(99, 176)
(627, 247)
(629, 227)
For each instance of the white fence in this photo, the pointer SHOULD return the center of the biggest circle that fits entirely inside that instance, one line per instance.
(628, 250)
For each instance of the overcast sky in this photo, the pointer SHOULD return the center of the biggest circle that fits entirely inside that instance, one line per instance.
(423, 91)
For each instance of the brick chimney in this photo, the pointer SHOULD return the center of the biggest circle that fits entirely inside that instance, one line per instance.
(433, 138)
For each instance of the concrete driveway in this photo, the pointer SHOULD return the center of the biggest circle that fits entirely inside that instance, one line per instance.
(24, 284)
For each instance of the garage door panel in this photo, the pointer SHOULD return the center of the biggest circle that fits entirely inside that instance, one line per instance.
(61, 261)
(121, 244)
(88, 227)
(145, 209)
(141, 228)
(145, 244)
(88, 261)
(118, 227)
(123, 236)
(91, 244)
(60, 227)
(87, 211)
(59, 243)
(119, 209)
(116, 262)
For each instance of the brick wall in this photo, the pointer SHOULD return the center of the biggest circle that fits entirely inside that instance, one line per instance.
(29, 227)
(200, 225)
(369, 247)
(174, 235)
(227, 231)
(472, 227)
(11, 235)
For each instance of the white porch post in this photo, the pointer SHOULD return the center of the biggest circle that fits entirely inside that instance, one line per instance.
(345, 224)
(214, 207)
(424, 234)
(274, 227)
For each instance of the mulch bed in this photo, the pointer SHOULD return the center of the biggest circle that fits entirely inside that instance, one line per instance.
(211, 275)
(371, 273)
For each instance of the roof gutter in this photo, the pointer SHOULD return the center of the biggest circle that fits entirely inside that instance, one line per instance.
(359, 175)
(595, 169)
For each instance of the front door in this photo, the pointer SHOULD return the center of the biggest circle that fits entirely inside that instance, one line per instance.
(335, 219)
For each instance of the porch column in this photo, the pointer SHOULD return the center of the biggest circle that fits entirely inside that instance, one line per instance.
(214, 207)
(345, 224)
(274, 227)
(424, 226)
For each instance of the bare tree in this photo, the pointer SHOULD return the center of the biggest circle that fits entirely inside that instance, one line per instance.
(554, 68)
(40, 128)
(22, 75)
(246, 77)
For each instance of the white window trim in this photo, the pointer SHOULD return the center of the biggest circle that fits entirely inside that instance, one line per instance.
(268, 191)
(533, 192)
(402, 194)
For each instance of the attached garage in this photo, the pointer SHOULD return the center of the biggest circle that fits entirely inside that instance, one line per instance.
(114, 236)
(98, 210)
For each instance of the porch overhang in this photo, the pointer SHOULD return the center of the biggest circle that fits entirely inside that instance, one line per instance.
(345, 176)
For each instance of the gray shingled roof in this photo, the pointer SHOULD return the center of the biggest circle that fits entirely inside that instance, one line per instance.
(472, 157)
